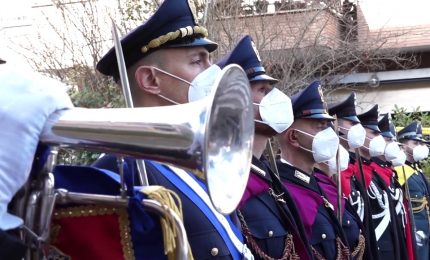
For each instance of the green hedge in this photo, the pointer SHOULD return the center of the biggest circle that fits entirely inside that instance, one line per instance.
(402, 118)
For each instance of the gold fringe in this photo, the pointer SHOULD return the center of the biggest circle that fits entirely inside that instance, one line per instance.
(420, 204)
(124, 224)
(171, 200)
(180, 33)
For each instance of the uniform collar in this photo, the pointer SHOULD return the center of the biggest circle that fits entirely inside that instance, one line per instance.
(352, 157)
(379, 162)
(258, 167)
(297, 176)
(365, 161)
(321, 177)
(285, 161)
(410, 163)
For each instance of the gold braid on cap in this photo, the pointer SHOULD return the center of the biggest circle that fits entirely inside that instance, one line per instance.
(180, 33)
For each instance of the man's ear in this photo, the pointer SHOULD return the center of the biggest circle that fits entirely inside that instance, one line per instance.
(146, 79)
(291, 136)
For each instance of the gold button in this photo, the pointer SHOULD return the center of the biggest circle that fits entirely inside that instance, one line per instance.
(270, 233)
(214, 251)
(323, 236)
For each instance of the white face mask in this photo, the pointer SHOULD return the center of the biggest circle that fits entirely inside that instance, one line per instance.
(343, 159)
(201, 86)
(376, 146)
(276, 110)
(324, 144)
(356, 136)
(203, 83)
(392, 151)
(400, 160)
(419, 153)
(425, 151)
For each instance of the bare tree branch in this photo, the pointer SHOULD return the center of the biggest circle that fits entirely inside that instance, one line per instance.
(307, 40)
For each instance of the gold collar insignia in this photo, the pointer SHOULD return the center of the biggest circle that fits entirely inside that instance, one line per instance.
(258, 170)
(302, 176)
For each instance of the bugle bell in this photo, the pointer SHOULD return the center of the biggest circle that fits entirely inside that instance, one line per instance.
(212, 137)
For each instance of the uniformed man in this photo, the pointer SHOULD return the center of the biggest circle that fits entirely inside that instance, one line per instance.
(307, 141)
(352, 226)
(416, 185)
(382, 165)
(267, 218)
(380, 202)
(163, 56)
(352, 136)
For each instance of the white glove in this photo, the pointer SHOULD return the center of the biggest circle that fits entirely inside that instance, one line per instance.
(27, 100)
(420, 236)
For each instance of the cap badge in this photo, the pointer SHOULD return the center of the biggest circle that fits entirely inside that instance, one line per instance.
(321, 93)
(256, 51)
(193, 9)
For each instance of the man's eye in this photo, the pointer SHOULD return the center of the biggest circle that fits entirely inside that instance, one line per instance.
(265, 90)
(196, 61)
(322, 125)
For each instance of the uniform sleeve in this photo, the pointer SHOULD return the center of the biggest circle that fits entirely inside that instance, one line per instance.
(27, 101)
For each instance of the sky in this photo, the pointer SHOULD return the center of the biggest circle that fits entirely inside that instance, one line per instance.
(395, 13)
(379, 13)
(14, 10)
